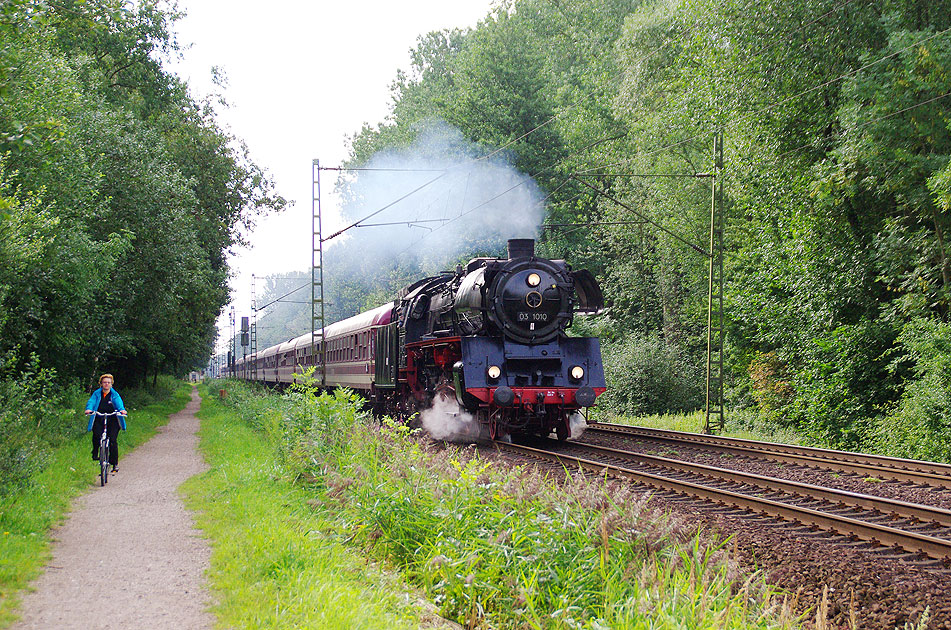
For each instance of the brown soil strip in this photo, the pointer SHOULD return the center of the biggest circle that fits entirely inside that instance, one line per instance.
(129, 556)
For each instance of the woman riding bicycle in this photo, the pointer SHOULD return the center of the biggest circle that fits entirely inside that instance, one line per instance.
(106, 400)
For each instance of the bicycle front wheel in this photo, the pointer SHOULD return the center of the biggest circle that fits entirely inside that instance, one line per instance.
(103, 463)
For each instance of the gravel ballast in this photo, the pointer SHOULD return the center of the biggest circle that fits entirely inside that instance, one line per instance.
(862, 589)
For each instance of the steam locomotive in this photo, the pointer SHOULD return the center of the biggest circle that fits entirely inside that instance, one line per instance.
(489, 339)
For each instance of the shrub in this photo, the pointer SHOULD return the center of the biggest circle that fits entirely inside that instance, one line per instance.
(163, 388)
(645, 375)
(770, 384)
(30, 417)
(842, 383)
(919, 425)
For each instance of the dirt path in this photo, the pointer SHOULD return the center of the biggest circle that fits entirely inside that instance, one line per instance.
(129, 556)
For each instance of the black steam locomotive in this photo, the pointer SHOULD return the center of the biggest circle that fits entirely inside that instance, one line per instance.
(490, 336)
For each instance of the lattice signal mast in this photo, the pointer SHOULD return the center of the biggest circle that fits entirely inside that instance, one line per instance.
(317, 313)
(714, 407)
(254, 330)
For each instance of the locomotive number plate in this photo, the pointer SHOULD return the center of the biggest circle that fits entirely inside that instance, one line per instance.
(532, 317)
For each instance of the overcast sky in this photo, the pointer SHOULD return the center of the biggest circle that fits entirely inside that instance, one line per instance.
(301, 76)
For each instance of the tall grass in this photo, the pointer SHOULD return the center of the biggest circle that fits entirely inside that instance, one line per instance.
(29, 511)
(504, 547)
(272, 564)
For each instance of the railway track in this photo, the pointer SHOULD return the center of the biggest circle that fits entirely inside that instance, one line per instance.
(932, 474)
(860, 520)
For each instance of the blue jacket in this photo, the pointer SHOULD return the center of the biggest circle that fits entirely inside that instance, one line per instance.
(93, 405)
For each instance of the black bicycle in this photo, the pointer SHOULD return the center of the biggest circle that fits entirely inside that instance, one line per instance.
(104, 447)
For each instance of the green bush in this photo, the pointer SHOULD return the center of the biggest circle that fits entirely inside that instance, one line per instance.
(30, 422)
(645, 375)
(304, 424)
(844, 381)
(919, 426)
(161, 389)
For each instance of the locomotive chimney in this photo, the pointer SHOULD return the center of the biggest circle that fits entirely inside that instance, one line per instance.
(521, 247)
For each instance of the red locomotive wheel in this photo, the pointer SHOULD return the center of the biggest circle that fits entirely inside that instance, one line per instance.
(493, 430)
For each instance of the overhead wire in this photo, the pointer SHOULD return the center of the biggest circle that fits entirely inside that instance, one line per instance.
(551, 226)
(380, 169)
(408, 223)
(261, 308)
(647, 219)
(492, 153)
(530, 177)
(389, 205)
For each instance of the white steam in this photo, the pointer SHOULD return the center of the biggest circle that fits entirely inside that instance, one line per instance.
(445, 420)
(577, 424)
(442, 200)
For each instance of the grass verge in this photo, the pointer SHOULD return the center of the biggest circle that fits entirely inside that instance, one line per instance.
(273, 564)
(28, 515)
(739, 424)
(491, 544)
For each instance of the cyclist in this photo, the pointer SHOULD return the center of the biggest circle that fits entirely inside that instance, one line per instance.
(106, 400)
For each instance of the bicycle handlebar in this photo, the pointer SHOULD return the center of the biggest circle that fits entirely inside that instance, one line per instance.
(90, 412)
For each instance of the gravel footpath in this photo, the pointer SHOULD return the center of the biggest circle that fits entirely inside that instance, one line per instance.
(129, 556)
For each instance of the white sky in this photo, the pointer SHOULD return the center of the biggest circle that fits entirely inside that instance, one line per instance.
(302, 75)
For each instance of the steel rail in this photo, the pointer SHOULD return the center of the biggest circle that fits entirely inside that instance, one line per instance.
(916, 471)
(872, 532)
(926, 513)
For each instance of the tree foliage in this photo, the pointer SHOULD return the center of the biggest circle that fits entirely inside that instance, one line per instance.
(120, 194)
(836, 172)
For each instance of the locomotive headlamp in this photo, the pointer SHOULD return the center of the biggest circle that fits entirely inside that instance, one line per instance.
(577, 372)
(534, 280)
(494, 372)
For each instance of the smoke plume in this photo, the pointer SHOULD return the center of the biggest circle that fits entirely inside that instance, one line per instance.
(439, 199)
(577, 424)
(445, 420)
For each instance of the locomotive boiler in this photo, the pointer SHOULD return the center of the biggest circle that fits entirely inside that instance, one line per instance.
(488, 339)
